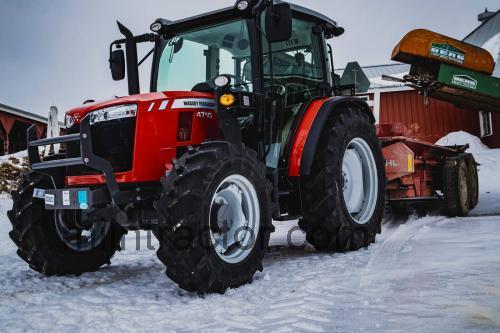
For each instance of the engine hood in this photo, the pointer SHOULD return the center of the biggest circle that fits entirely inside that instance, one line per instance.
(141, 100)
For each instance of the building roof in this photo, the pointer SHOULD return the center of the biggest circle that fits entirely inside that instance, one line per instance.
(487, 36)
(21, 113)
(374, 74)
(24, 114)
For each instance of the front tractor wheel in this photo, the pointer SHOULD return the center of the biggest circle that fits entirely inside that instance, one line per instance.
(58, 242)
(216, 205)
(344, 194)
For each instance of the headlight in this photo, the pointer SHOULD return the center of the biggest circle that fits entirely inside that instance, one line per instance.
(156, 26)
(113, 112)
(242, 5)
(222, 81)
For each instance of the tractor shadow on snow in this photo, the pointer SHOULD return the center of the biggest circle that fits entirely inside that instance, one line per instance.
(398, 214)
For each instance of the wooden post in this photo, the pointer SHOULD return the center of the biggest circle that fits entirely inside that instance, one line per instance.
(7, 123)
(6, 144)
(52, 130)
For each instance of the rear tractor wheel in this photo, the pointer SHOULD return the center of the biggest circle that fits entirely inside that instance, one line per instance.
(344, 194)
(216, 205)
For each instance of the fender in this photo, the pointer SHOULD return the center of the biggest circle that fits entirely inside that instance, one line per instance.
(311, 126)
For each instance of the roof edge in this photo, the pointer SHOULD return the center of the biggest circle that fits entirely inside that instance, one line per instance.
(25, 114)
(229, 12)
(482, 23)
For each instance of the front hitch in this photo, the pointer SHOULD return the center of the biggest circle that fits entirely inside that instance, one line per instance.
(87, 158)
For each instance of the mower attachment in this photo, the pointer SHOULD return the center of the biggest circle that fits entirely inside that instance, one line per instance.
(87, 158)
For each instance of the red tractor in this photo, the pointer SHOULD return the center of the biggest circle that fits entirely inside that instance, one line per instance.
(244, 125)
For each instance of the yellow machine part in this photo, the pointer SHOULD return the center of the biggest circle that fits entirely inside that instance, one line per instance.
(424, 45)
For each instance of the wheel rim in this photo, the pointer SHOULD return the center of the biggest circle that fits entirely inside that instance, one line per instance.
(234, 219)
(79, 238)
(360, 181)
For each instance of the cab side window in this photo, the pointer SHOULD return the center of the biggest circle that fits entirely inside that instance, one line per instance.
(293, 73)
(295, 64)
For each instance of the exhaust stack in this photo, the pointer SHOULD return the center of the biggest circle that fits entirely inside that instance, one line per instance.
(132, 67)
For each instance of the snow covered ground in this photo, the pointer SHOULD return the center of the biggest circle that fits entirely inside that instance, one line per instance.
(428, 275)
(431, 274)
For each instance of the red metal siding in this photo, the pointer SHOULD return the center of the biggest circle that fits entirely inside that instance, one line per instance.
(430, 122)
(493, 141)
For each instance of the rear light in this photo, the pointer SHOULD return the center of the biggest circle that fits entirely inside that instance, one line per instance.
(184, 126)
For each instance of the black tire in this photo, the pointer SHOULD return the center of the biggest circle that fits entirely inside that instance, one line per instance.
(327, 222)
(456, 187)
(185, 245)
(473, 178)
(39, 244)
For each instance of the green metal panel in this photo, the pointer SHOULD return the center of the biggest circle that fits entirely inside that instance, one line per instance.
(468, 80)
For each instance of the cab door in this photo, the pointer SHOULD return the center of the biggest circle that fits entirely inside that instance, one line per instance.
(294, 73)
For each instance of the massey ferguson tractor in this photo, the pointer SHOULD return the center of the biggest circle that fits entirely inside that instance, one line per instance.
(245, 123)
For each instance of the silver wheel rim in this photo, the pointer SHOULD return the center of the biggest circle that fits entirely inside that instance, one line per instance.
(80, 239)
(360, 181)
(234, 219)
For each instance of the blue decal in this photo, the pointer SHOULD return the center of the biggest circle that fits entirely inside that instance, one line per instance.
(82, 199)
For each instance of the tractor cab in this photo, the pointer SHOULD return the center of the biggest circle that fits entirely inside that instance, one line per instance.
(262, 63)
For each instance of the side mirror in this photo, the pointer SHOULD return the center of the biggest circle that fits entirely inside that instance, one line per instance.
(117, 65)
(279, 22)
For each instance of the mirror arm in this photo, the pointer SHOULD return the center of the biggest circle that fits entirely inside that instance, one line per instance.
(260, 6)
(144, 38)
(146, 57)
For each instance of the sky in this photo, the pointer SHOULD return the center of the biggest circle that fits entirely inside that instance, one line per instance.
(56, 52)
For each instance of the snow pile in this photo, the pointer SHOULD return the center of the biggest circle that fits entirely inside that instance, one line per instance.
(11, 167)
(489, 170)
(462, 138)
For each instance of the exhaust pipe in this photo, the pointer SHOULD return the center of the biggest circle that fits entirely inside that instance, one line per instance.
(132, 67)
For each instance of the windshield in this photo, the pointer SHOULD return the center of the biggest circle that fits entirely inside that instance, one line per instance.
(196, 57)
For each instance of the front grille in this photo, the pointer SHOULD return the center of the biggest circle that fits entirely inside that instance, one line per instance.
(111, 140)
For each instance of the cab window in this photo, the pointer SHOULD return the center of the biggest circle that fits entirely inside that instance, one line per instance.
(296, 63)
(293, 72)
(198, 56)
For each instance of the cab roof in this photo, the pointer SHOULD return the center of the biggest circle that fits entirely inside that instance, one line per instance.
(232, 13)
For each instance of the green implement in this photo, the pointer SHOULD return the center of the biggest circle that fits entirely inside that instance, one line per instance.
(468, 88)
(449, 70)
